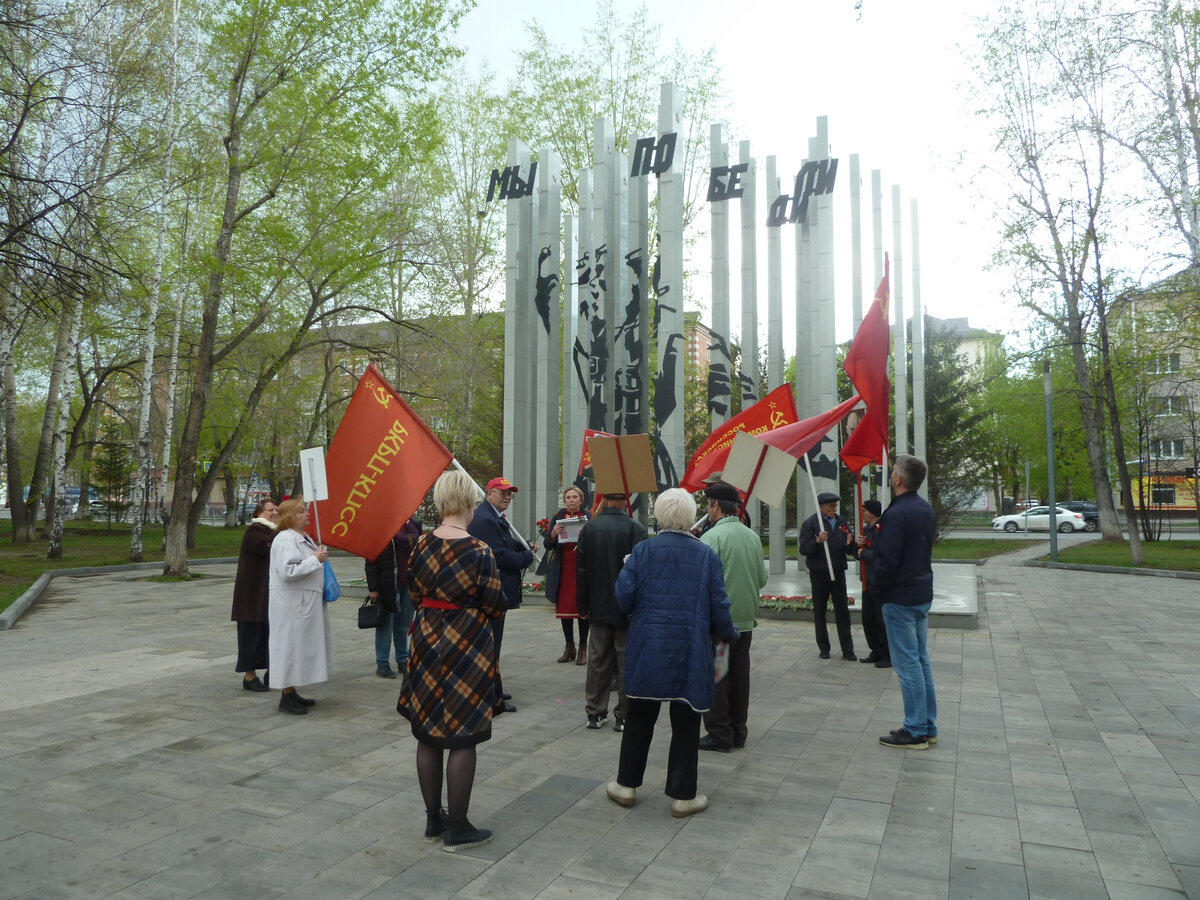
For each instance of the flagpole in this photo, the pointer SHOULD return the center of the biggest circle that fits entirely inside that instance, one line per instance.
(813, 486)
(859, 522)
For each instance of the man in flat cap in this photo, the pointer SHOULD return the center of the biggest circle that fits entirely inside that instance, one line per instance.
(745, 573)
(513, 556)
(872, 612)
(826, 528)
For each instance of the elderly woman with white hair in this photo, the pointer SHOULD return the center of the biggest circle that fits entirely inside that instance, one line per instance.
(673, 588)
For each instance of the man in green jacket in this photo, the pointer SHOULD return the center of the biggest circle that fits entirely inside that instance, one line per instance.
(741, 556)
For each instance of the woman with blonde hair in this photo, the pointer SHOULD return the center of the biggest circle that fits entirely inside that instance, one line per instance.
(301, 645)
(447, 691)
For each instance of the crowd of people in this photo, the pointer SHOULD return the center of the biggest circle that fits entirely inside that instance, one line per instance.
(662, 619)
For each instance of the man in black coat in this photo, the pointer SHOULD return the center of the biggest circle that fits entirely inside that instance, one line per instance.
(827, 527)
(603, 545)
(513, 557)
(872, 611)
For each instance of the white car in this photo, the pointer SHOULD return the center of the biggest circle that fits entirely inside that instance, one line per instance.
(1038, 519)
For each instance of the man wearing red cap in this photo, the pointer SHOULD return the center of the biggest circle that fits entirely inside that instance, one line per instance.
(513, 557)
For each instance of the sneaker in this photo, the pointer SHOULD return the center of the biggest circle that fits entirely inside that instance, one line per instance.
(929, 738)
(900, 739)
(435, 825)
(681, 808)
(619, 723)
(384, 671)
(620, 795)
(463, 836)
(596, 721)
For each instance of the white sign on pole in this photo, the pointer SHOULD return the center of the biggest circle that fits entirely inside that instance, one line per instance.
(312, 474)
(774, 474)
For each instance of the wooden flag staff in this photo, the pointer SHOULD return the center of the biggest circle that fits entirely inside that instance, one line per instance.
(813, 486)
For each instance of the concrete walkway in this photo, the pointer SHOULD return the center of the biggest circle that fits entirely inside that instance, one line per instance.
(133, 765)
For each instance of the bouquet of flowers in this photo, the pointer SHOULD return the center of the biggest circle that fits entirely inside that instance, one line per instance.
(543, 525)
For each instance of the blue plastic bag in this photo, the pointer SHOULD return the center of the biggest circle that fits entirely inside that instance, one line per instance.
(333, 590)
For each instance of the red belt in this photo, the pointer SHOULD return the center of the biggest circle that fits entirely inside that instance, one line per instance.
(431, 603)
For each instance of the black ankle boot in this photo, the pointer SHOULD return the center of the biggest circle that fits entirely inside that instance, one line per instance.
(463, 835)
(435, 824)
(290, 703)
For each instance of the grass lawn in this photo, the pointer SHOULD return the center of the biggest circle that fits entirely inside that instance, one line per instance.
(1180, 556)
(975, 548)
(92, 544)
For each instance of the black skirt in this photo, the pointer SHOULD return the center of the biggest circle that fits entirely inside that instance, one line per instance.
(252, 646)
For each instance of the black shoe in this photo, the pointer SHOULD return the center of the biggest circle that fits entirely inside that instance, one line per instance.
(707, 743)
(290, 703)
(883, 663)
(739, 743)
(869, 658)
(254, 684)
(900, 739)
(596, 721)
(824, 654)
(506, 696)
(503, 708)
(267, 680)
(618, 723)
(304, 701)
(850, 657)
(463, 835)
(385, 671)
(435, 824)
(930, 738)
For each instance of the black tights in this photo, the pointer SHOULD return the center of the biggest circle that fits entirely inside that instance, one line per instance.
(460, 778)
(569, 632)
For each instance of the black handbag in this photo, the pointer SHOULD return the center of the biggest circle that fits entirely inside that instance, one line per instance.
(368, 614)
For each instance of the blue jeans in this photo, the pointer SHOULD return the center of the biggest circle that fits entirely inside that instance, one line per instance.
(907, 634)
(393, 626)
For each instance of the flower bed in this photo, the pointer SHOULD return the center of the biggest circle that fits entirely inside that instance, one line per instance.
(793, 602)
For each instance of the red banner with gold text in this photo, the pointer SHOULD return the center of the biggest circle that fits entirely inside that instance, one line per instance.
(381, 462)
(776, 409)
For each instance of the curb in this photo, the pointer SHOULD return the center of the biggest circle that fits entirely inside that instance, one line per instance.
(9, 617)
(1115, 570)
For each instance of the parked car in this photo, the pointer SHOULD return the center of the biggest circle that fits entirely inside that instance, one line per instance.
(1091, 512)
(1038, 519)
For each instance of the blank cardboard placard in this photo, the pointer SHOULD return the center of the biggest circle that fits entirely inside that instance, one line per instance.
(312, 474)
(773, 477)
(634, 456)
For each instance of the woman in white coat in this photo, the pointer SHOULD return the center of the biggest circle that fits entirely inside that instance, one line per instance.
(301, 645)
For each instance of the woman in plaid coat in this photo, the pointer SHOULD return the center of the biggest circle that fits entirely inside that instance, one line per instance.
(447, 694)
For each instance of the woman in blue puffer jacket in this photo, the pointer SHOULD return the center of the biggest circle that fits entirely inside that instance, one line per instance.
(673, 590)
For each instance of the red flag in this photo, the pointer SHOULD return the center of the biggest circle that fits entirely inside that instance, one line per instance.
(381, 462)
(776, 409)
(585, 458)
(866, 364)
(800, 437)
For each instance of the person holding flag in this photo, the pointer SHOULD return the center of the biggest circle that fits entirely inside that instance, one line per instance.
(826, 527)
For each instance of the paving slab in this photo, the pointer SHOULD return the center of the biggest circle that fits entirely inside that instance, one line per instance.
(1068, 763)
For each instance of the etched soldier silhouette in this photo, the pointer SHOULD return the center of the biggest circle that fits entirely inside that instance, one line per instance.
(749, 389)
(598, 357)
(544, 289)
(718, 376)
(629, 385)
(580, 353)
(822, 464)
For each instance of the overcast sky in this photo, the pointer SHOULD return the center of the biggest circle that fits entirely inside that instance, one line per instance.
(890, 82)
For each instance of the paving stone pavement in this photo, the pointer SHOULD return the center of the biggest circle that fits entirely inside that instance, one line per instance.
(133, 765)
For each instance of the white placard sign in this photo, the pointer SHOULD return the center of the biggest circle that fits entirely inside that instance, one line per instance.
(773, 476)
(312, 474)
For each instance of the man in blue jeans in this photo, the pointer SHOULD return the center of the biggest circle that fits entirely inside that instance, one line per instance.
(902, 579)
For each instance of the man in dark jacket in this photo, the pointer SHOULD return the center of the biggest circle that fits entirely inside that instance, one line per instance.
(603, 545)
(902, 577)
(826, 527)
(513, 556)
(387, 585)
(872, 612)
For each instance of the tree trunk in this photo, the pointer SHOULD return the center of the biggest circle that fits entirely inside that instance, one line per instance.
(60, 445)
(231, 496)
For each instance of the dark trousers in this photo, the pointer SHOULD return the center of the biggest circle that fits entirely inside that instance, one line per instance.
(872, 624)
(824, 590)
(498, 639)
(681, 757)
(726, 721)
